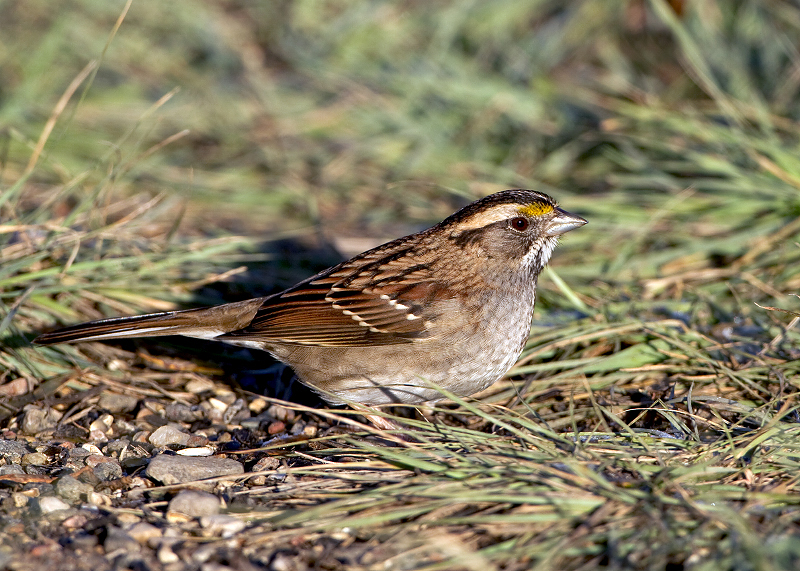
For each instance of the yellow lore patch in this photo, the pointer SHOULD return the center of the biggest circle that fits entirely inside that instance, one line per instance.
(535, 209)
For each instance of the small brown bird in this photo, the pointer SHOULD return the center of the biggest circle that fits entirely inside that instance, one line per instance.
(450, 306)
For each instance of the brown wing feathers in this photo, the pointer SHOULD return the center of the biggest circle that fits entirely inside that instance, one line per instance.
(320, 312)
(346, 306)
(362, 302)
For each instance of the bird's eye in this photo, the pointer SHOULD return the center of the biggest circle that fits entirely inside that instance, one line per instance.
(520, 224)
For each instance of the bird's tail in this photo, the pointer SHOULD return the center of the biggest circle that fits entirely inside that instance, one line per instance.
(204, 323)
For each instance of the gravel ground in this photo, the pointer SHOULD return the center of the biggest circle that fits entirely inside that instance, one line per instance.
(138, 476)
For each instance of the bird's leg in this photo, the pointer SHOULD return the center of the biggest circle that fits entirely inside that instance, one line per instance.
(376, 420)
(380, 422)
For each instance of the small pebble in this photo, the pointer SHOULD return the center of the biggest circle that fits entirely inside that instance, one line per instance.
(13, 450)
(179, 412)
(177, 518)
(20, 500)
(222, 525)
(194, 503)
(116, 447)
(252, 423)
(118, 540)
(75, 522)
(169, 469)
(144, 532)
(122, 426)
(196, 440)
(236, 411)
(166, 556)
(11, 469)
(36, 420)
(127, 519)
(113, 402)
(83, 541)
(34, 459)
(257, 405)
(72, 490)
(276, 427)
(98, 436)
(78, 455)
(168, 435)
(98, 499)
(196, 386)
(283, 562)
(91, 448)
(203, 553)
(200, 451)
(217, 404)
(225, 395)
(15, 388)
(107, 471)
(49, 504)
(266, 463)
(281, 413)
(212, 415)
(93, 460)
(102, 423)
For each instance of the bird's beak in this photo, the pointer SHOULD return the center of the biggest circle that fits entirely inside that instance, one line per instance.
(563, 222)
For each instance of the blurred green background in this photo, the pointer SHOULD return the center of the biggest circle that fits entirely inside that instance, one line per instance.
(670, 126)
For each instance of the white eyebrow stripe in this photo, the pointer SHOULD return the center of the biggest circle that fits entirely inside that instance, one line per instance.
(490, 216)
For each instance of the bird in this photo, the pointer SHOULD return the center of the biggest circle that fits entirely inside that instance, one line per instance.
(449, 307)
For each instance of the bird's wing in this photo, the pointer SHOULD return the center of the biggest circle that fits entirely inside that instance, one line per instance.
(377, 298)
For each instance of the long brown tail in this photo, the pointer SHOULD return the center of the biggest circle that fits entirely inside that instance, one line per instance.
(205, 323)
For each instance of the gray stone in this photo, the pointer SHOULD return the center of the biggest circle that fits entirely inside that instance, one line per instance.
(11, 469)
(13, 450)
(106, 471)
(168, 435)
(36, 420)
(72, 490)
(119, 541)
(237, 411)
(114, 447)
(180, 469)
(178, 412)
(114, 402)
(78, 454)
(194, 503)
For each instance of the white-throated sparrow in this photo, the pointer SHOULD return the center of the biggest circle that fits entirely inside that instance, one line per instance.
(450, 306)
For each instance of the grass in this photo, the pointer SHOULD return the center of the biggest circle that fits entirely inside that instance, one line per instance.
(652, 420)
